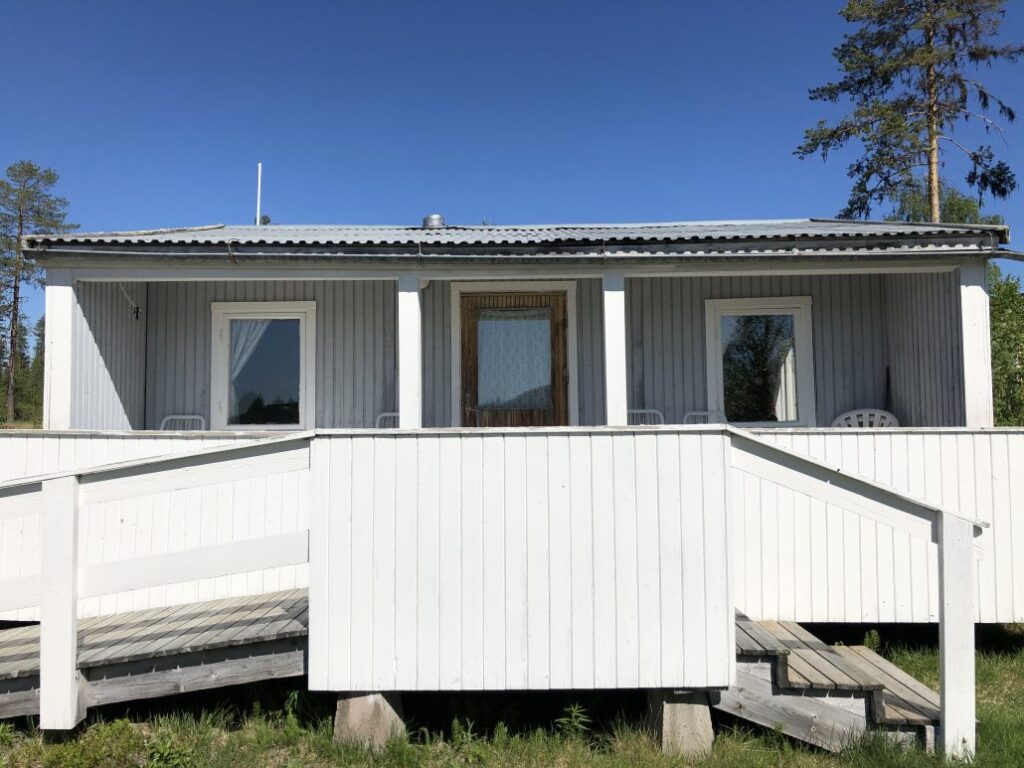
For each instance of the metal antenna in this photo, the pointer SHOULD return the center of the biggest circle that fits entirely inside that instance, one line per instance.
(259, 190)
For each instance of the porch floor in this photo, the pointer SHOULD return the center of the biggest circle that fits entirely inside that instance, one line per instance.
(199, 646)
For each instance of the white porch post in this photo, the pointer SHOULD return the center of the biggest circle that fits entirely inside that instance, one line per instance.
(57, 379)
(410, 367)
(956, 635)
(61, 704)
(614, 286)
(976, 343)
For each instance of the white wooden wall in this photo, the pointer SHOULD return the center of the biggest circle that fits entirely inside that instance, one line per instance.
(922, 333)
(108, 356)
(667, 364)
(355, 345)
(799, 559)
(520, 560)
(151, 525)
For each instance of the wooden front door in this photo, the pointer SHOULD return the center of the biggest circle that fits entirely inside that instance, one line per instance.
(514, 370)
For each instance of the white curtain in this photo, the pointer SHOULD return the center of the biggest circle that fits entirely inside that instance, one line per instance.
(245, 337)
(514, 358)
(785, 400)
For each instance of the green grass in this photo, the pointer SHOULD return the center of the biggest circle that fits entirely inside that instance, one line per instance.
(297, 732)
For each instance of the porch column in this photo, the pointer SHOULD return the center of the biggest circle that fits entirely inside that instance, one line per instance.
(57, 378)
(976, 343)
(410, 367)
(614, 285)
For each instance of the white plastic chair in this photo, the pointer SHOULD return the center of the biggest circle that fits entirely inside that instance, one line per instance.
(641, 417)
(180, 422)
(387, 420)
(865, 418)
(704, 417)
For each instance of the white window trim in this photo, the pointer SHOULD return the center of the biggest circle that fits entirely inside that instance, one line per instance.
(800, 308)
(568, 287)
(223, 313)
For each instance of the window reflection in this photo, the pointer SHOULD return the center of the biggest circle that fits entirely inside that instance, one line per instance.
(759, 367)
(264, 372)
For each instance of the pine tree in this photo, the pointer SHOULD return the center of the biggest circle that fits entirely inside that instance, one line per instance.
(27, 207)
(908, 71)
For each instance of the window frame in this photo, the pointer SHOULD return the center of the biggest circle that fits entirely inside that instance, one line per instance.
(797, 306)
(223, 312)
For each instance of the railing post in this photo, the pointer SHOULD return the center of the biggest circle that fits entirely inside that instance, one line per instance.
(61, 701)
(956, 635)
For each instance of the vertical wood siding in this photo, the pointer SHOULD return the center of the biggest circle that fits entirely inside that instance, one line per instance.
(355, 345)
(802, 560)
(922, 321)
(437, 353)
(108, 356)
(667, 361)
(151, 525)
(521, 561)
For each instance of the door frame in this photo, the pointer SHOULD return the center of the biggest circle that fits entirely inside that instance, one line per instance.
(568, 287)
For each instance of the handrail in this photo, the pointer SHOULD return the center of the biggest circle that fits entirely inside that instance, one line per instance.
(953, 533)
(120, 466)
(875, 487)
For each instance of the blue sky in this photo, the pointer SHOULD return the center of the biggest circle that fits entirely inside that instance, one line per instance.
(155, 113)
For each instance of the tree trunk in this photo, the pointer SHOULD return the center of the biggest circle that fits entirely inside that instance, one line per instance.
(12, 335)
(934, 198)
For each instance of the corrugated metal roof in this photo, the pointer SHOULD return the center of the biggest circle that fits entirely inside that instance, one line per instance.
(526, 235)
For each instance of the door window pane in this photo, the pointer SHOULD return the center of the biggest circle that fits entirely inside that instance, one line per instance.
(264, 375)
(759, 367)
(514, 359)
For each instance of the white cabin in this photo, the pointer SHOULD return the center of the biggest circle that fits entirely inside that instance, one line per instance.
(507, 458)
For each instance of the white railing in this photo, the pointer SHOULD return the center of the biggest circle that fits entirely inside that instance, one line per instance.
(788, 543)
(952, 532)
(57, 500)
(485, 559)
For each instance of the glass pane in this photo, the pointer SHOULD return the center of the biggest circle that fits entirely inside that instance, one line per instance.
(264, 372)
(514, 359)
(759, 367)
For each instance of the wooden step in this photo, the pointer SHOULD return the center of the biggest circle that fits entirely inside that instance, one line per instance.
(807, 718)
(811, 680)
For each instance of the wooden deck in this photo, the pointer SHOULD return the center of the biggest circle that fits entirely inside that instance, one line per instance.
(165, 651)
(200, 646)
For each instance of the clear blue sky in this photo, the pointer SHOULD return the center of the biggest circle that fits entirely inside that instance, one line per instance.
(155, 113)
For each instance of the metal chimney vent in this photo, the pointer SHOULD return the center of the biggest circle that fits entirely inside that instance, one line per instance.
(433, 221)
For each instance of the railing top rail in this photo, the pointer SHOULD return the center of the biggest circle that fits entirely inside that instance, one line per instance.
(724, 429)
(103, 469)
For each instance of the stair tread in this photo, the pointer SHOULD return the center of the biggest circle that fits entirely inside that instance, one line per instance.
(913, 700)
(816, 661)
(753, 640)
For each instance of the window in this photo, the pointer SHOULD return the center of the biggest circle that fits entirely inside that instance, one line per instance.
(514, 359)
(263, 365)
(759, 363)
